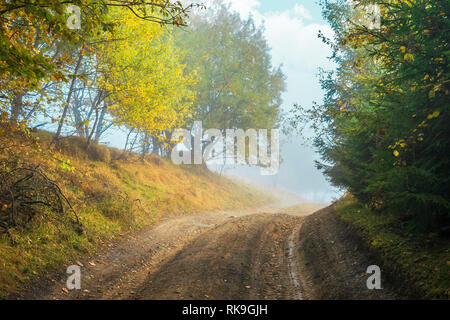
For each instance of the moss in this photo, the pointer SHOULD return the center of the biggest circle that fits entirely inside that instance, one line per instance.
(419, 261)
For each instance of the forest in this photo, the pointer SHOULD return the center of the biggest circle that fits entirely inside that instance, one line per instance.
(383, 128)
(77, 76)
(136, 67)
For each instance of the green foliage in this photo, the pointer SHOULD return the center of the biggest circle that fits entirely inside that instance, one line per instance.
(26, 25)
(383, 129)
(238, 87)
(418, 263)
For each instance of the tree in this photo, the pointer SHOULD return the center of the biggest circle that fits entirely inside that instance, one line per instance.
(24, 24)
(37, 40)
(383, 126)
(147, 87)
(238, 86)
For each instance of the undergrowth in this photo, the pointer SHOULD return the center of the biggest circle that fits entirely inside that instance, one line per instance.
(111, 198)
(419, 260)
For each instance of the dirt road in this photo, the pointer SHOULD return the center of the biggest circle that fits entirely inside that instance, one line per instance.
(261, 254)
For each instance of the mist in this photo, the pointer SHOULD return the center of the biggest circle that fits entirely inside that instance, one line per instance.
(291, 31)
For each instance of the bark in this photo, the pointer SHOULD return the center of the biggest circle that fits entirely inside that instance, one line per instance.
(156, 145)
(144, 146)
(99, 99)
(126, 144)
(69, 96)
(16, 106)
(93, 127)
(77, 115)
(100, 126)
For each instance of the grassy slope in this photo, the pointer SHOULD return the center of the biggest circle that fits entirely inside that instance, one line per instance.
(104, 193)
(420, 263)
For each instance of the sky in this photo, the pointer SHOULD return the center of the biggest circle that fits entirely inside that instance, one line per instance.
(291, 28)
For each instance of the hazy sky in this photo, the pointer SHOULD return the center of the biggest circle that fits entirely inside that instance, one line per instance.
(291, 31)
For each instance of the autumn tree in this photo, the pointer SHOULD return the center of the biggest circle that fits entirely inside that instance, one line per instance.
(145, 85)
(383, 126)
(24, 24)
(44, 41)
(238, 85)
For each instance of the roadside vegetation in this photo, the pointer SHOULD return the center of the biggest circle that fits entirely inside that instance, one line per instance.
(383, 131)
(416, 263)
(109, 197)
(69, 83)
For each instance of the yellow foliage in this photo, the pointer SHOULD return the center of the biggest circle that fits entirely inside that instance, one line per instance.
(147, 85)
(408, 57)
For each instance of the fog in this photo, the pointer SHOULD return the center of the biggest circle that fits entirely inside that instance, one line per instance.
(291, 31)
(297, 176)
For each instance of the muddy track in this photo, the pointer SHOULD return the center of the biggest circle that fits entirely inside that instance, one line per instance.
(262, 254)
(333, 261)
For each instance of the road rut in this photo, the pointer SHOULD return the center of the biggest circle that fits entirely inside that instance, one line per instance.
(258, 254)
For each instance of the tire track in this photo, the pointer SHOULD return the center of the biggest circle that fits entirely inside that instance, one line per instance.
(293, 263)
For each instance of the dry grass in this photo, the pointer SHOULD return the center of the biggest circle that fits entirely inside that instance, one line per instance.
(111, 198)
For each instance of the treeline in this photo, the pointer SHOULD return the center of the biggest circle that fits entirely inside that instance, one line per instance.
(383, 130)
(143, 68)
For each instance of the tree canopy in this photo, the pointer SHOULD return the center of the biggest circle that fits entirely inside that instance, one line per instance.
(238, 86)
(383, 129)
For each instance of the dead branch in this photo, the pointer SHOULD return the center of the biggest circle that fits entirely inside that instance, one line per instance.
(26, 192)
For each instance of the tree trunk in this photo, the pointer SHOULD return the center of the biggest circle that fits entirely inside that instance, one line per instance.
(100, 124)
(98, 118)
(16, 106)
(78, 119)
(93, 127)
(156, 145)
(144, 146)
(122, 155)
(69, 96)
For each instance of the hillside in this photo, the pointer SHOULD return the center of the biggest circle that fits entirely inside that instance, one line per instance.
(110, 198)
